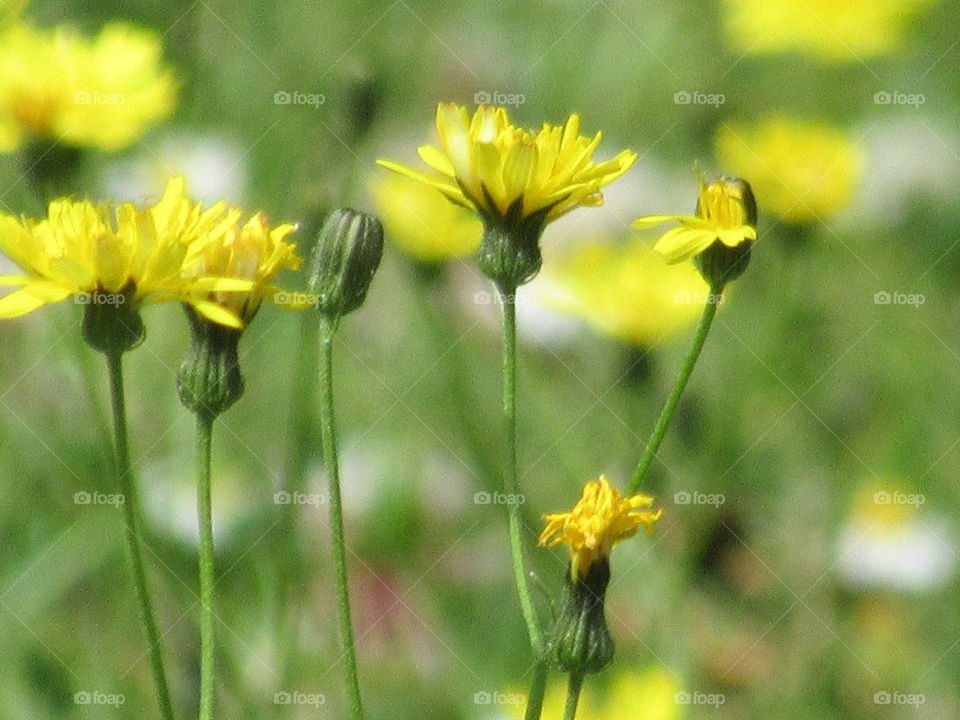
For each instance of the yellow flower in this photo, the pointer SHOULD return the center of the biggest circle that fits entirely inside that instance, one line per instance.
(223, 247)
(626, 292)
(801, 170)
(422, 222)
(726, 213)
(835, 30)
(131, 256)
(498, 169)
(600, 519)
(102, 92)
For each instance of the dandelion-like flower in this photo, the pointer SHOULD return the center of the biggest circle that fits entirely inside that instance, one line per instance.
(123, 256)
(516, 180)
(102, 92)
(601, 518)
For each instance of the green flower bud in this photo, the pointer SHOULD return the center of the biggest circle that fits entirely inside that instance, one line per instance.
(209, 380)
(111, 323)
(510, 251)
(720, 264)
(346, 256)
(579, 640)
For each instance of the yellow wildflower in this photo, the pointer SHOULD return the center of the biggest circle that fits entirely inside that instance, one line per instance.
(802, 171)
(422, 222)
(600, 519)
(834, 30)
(626, 292)
(129, 257)
(726, 214)
(102, 92)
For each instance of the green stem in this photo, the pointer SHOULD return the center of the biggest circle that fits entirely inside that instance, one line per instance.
(538, 688)
(328, 431)
(205, 517)
(573, 695)
(663, 422)
(508, 297)
(131, 516)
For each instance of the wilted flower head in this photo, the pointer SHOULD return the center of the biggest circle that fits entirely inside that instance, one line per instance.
(601, 518)
(802, 171)
(102, 92)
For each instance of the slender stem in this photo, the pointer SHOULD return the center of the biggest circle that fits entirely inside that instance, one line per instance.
(131, 516)
(508, 299)
(205, 517)
(573, 695)
(663, 422)
(328, 432)
(537, 689)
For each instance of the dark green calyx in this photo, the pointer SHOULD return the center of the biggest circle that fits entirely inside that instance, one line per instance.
(209, 380)
(510, 251)
(111, 323)
(721, 265)
(579, 640)
(343, 263)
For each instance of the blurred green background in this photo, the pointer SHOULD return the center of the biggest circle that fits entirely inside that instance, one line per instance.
(779, 580)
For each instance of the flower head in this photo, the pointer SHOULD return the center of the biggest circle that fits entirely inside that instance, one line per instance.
(127, 256)
(726, 213)
(422, 222)
(600, 519)
(102, 92)
(802, 170)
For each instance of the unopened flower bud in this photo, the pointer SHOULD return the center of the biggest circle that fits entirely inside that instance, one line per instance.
(346, 256)
(580, 641)
(726, 202)
(209, 380)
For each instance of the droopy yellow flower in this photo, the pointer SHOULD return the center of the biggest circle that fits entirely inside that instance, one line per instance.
(600, 519)
(422, 222)
(801, 170)
(726, 213)
(627, 292)
(102, 92)
(129, 256)
(834, 30)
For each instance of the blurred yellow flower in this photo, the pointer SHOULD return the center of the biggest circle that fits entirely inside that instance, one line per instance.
(131, 257)
(627, 292)
(726, 212)
(835, 30)
(506, 172)
(422, 222)
(647, 694)
(601, 518)
(102, 92)
(801, 170)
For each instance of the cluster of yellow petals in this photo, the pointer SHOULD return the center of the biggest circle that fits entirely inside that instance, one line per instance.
(600, 519)
(486, 163)
(102, 92)
(171, 251)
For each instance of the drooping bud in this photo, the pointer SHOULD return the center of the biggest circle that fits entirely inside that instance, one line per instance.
(209, 380)
(344, 260)
(726, 202)
(111, 323)
(580, 641)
